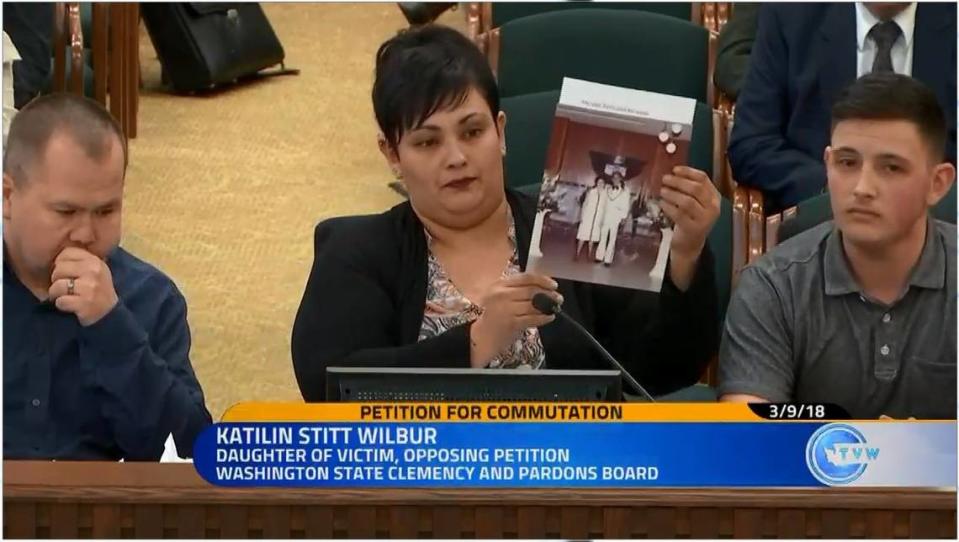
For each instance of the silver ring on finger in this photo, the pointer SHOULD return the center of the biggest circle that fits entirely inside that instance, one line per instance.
(71, 286)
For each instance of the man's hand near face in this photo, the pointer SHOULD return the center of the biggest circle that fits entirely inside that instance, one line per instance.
(92, 295)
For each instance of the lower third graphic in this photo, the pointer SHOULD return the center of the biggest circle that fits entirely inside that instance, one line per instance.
(837, 454)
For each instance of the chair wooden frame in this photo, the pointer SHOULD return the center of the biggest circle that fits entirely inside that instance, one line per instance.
(712, 93)
(749, 222)
(116, 57)
(715, 14)
(67, 31)
(773, 223)
(746, 204)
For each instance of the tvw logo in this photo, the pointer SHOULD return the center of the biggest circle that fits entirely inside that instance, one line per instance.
(842, 455)
(837, 454)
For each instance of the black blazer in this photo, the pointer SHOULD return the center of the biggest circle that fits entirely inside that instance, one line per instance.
(804, 55)
(366, 294)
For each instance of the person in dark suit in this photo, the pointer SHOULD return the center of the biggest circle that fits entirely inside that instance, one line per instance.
(803, 56)
(734, 47)
(439, 281)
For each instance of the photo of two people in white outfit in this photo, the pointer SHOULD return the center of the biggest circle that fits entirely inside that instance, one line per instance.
(604, 208)
(606, 228)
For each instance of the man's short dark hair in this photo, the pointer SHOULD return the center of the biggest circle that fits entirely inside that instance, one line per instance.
(892, 96)
(87, 123)
(424, 69)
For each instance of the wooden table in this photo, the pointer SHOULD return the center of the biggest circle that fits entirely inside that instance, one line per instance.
(68, 499)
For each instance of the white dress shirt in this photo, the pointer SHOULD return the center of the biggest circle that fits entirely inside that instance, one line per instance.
(901, 50)
(10, 55)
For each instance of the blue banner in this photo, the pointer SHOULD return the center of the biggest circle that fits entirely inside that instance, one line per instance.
(633, 454)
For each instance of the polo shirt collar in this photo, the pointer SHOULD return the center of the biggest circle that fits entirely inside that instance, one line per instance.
(929, 272)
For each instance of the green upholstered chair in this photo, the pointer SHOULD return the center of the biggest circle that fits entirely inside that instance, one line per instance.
(483, 16)
(504, 12)
(632, 49)
(817, 210)
(529, 121)
(697, 393)
(945, 210)
(722, 243)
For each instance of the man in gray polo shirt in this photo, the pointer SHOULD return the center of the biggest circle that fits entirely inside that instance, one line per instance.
(860, 311)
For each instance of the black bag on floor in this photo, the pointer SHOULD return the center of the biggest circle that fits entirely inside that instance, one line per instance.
(201, 45)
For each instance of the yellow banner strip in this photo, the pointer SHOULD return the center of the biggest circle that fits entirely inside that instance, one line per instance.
(489, 412)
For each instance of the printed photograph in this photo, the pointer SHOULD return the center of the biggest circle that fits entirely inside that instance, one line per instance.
(599, 219)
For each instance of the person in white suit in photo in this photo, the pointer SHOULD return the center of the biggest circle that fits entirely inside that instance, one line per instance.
(616, 201)
(591, 217)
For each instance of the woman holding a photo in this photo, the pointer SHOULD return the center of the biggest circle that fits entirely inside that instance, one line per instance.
(440, 281)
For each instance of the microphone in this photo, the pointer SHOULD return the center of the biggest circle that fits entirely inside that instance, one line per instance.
(547, 305)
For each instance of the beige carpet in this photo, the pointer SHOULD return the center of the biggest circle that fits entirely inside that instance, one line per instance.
(223, 191)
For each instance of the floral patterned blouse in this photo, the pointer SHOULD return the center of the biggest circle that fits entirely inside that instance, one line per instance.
(447, 307)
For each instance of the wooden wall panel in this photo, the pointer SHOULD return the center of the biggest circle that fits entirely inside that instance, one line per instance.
(531, 522)
(489, 522)
(64, 520)
(63, 500)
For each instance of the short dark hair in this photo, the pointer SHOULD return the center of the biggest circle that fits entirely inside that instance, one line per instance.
(423, 69)
(87, 122)
(892, 96)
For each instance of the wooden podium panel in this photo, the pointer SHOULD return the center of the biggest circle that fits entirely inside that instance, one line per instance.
(150, 500)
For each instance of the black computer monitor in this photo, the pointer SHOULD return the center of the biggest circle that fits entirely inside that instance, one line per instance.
(356, 384)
